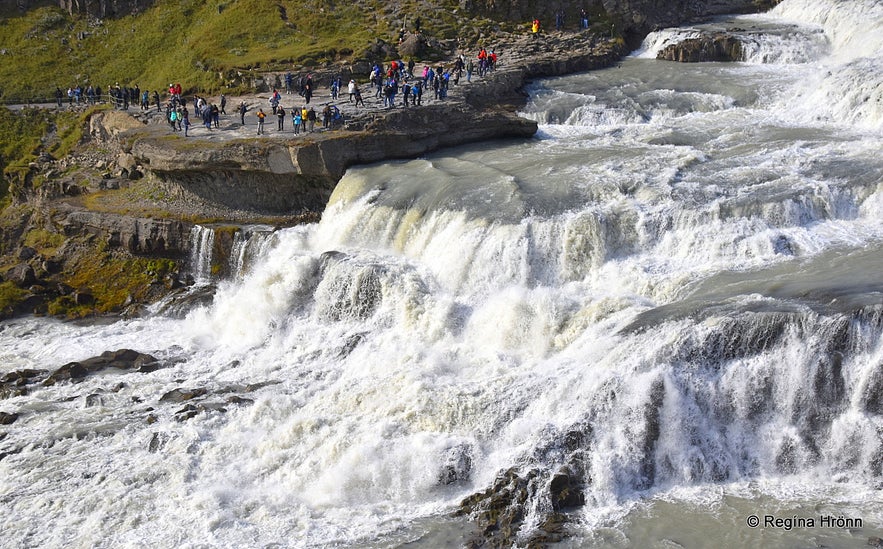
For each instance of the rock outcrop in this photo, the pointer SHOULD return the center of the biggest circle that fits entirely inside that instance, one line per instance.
(105, 8)
(719, 46)
(143, 236)
(636, 17)
(285, 176)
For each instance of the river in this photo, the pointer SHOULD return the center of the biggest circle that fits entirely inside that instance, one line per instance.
(673, 295)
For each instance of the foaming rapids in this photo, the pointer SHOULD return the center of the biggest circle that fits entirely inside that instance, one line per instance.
(664, 310)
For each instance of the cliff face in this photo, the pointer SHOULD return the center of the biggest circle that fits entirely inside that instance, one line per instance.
(94, 8)
(104, 8)
(638, 16)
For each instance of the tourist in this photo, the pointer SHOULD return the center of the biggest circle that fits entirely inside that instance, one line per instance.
(242, 110)
(326, 116)
(311, 119)
(289, 82)
(280, 114)
(186, 122)
(274, 100)
(297, 119)
(406, 93)
(261, 117)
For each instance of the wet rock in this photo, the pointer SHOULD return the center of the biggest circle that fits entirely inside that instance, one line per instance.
(94, 399)
(21, 377)
(714, 47)
(350, 344)
(875, 542)
(872, 395)
(236, 399)
(7, 418)
(211, 407)
(500, 510)
(71, 371)
(157, 442)
(457, 466)
(187, 412)
(16, 383)
(566, 490)
(122, 359)
(182, 395)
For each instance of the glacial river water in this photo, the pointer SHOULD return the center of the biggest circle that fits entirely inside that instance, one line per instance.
(674, 294)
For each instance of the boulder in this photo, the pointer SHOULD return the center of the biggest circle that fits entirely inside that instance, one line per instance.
(713, 47)
(22, 275)
(8, 418)
(413, 45)
(16, 383)
(26, 252)
(123, 359)
(182, 395)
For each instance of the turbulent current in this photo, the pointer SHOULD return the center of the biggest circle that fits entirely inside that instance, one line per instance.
(670, 302)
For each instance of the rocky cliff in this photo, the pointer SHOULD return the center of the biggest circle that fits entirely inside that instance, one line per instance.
(637, 17)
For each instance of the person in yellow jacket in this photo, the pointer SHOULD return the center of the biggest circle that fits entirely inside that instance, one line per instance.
(535, 27)
(261, 117)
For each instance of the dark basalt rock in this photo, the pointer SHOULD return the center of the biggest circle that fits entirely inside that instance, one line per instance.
(8, 418)
(714, 47)
(22, 275)
(16, 383)
(123, 359)
(182, 395)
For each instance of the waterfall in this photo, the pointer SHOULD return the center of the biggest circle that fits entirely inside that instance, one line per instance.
(202, 240)
(250, 244)
(663, 310)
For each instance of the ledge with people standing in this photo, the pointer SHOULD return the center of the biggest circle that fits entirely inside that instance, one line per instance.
(399, 110)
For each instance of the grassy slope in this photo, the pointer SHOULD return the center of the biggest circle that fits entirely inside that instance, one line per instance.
(192, 43)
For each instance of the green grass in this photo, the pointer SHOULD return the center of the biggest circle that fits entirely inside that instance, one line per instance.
(25, 133)
(45, 242)
(111, 279)
(21, 135)
(10, 295)
(191, 42)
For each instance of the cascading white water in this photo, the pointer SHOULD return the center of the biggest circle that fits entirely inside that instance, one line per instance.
(670, 299)
(202, 241)
(250, 243)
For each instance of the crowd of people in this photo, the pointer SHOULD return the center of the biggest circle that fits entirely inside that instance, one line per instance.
(394, 84)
